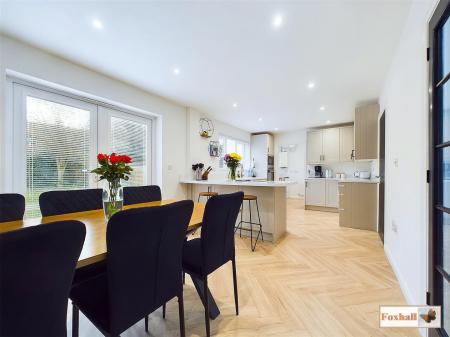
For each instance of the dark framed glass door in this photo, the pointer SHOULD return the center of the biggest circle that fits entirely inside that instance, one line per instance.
(439, 88)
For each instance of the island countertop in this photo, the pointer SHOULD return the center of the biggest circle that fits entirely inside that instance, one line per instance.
(249, 183)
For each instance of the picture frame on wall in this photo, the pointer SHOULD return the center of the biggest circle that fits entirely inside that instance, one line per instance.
(214, 149)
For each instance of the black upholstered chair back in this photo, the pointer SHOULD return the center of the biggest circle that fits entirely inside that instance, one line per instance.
(144, 262)
(140, 194)
(12, 207)
(70, 201)
(37, 265)
(217, 235)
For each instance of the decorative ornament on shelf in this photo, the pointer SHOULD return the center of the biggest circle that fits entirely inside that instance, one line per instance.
(206, 128)
(113, 168)
(232, 160)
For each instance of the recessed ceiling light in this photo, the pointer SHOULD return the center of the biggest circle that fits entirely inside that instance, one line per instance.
(276, 129)
(322, 108)
(235, 105)
(260, 119)
(277, 20)
(328, 121)
(176, 71)
(311, 85)
(97, 24)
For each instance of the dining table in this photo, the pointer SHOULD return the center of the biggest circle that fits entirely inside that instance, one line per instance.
(94, 247)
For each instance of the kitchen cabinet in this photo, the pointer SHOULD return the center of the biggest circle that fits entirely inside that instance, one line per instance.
(320, 192)
(261, 147)
(366, 132)
(346, 144)
(332, 199)
(330, 145)
(314, 147)
(358, 206)
(283, 159)
(315, 190)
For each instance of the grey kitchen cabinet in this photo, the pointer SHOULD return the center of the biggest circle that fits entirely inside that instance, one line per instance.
(366, 132)
(315, 192)
(314, 142)
(346, 143)
(332, 198)
(358, 205)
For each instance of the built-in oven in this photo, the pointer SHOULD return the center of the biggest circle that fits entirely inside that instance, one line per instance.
(270, 174)
(270, 161)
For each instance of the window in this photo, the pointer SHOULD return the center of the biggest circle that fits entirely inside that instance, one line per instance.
(57, 139)
(439, 68)
(229, 145)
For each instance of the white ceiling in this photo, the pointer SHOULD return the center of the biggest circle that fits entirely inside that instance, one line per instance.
(228, 52)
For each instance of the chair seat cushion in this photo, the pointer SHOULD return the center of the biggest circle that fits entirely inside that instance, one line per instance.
(192, 256)
(91, 297)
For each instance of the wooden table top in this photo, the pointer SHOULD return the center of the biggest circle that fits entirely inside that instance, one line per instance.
(94, 248)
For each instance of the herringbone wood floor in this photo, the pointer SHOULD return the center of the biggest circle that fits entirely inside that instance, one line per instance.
(320, 280)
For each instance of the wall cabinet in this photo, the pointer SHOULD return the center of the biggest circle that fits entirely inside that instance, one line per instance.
(314, 147)
(329, 145)
(346, 144)
(261, 147)
(366, 132)
(321, 193)
(358, 205)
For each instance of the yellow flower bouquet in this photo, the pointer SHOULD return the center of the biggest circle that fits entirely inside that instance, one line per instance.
(232, 160)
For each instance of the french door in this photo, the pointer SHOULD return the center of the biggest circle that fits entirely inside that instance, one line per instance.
(439, 87)
(56, 139)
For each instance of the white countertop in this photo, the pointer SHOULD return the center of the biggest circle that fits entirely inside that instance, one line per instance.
(239, 183)
(350, 180)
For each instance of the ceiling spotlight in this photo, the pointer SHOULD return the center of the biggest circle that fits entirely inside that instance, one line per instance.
(97, 24)
(322, 108)
(277, 21)
(311, 85)
(176, 71)
(235, 105)
(328, 121)
(276, 129)
(260, 119)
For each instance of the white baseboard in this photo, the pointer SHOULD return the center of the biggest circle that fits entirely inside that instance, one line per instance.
(401, 280)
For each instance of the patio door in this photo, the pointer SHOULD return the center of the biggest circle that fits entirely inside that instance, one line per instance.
(439, 88)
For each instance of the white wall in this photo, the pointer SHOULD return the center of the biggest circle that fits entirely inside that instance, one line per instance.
(296, 170)
(26, 59)
(404, 97)
(198, 147)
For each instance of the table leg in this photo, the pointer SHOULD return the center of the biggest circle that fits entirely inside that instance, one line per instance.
(213, 309)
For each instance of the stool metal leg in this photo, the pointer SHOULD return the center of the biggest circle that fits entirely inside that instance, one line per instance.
(251, 225)
(259, 219)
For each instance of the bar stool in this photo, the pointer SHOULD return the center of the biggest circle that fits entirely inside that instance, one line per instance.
(250, 198)
(208, 194)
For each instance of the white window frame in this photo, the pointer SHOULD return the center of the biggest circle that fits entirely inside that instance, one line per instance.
(14, 146)
(237, 140)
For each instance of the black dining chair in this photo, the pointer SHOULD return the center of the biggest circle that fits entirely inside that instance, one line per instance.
(12, 207)
(215, 247)
(37, 265)
(141, 194)
(143, 271)
(70, 201)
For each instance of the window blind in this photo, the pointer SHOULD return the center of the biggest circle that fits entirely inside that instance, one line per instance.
(129, 137)
(58, 148)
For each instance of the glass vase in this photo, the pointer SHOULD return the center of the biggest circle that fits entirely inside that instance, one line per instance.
(232, 173)
(112, 198)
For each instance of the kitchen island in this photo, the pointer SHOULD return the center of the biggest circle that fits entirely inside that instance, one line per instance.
(271, 200)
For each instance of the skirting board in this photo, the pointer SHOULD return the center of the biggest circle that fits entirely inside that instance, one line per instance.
(321, 208)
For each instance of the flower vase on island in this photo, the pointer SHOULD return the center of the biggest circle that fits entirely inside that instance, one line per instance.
(232, 160)
(113, 168)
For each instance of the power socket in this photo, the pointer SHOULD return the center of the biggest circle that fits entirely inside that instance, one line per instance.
(394, 226)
